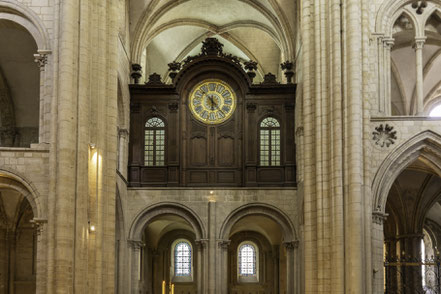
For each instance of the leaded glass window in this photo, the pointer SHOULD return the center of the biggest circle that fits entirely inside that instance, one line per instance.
(247, 260)
(182, 259)
(154, 152)
(269, 142)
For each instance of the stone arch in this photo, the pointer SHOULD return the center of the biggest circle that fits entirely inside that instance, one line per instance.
(389, 12)
(426, 145)
(433, 10)
(148, 214)
(20, 14)
(7, 114)
(13, 180)
(288, 229)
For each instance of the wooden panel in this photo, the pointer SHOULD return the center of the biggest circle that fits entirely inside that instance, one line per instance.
(226, 177)
(154, 175)
(198, 177)
(225, 151)
(198, 151)
(251, 174)
(134, 174)
(173, 175)
(266, 175)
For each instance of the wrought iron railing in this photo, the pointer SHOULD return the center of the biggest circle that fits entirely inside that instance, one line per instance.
(412, 276)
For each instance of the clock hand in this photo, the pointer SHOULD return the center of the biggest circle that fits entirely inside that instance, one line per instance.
(217, 106)
(212, 102)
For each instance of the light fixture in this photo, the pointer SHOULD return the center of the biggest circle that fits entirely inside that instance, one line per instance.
(92, 227)
(92, 145)
(211, 192)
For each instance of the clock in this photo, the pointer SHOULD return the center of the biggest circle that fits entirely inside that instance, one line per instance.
(212, 101)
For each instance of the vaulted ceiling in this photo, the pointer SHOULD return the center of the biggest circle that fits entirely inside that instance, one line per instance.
(162, 31)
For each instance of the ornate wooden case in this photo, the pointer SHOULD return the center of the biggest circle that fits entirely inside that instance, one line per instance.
(239, 151)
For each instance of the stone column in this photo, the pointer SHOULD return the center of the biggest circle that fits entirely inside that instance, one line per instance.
(385, 105)
(123, 135)
(378, 219)
(419, 91)
(290, 271)
(135, 265)
(212, 252)
(201, 246)
(223, 264)
(39, 225)
(11, 243)
(276, 261)
(41, 59)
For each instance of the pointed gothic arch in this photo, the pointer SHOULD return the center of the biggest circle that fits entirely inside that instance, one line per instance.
(13, 180)
(426, 145)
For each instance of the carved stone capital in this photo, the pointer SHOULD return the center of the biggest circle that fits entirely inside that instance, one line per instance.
(300, 131)
(201, 243)
(388, 43)
(39, 224)
(123, 133)
(419, 43)
(136, 244)
(223, 244)
(379, 217)
(291, 245)
(41, 58)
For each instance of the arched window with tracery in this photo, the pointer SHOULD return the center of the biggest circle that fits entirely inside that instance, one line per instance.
(269, 132)
(182, 259)
(154, 148)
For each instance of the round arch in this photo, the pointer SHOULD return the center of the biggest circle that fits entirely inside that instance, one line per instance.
(20, 14)
(289, 232)
(426, 145)
(13, 180)
(148, 214)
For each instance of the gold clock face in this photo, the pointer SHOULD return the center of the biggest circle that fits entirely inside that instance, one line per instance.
(212, 101)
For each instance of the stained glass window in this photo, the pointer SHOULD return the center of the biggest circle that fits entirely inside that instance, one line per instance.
(182, 259)
(270, 142)
(247, 260)
(154, 152)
